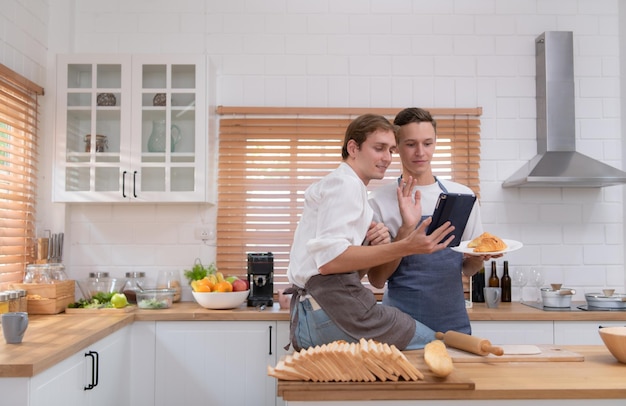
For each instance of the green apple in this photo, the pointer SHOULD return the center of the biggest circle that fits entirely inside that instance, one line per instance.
(119, 300)
(232, 279)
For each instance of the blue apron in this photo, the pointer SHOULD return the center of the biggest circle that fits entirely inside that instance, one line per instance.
(429, 287)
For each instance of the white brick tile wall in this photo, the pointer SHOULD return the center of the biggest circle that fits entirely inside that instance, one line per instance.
(362, 54)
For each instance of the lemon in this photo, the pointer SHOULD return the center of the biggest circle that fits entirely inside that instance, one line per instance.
(119, 300)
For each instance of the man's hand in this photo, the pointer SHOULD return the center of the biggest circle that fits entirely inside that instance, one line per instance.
(377, 234)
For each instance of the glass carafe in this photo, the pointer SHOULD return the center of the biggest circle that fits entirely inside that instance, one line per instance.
(157, 140)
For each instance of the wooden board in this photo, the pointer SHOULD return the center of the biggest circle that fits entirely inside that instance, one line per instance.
(100, 311)
(457, 380)
(549, 353)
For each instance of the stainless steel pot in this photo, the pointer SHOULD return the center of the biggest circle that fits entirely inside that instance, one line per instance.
(600, 300)
(557, 297)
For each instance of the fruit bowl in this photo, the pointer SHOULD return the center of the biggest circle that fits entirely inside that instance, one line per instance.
(91, 286)
(615, 340)
(220, 300)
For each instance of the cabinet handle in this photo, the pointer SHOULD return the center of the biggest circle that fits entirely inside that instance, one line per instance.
(95, 366)
(270, 340)
(134, 184)
(124, 184)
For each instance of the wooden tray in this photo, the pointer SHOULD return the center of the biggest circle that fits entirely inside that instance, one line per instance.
(549, 353)
(126, 309)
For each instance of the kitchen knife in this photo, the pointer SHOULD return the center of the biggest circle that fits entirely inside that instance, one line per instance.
(465, 342)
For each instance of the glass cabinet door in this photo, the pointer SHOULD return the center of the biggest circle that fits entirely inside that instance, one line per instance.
(171, 163)
(94, 100)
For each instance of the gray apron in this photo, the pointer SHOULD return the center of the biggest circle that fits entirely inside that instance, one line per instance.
(430, 289)
(353, 308)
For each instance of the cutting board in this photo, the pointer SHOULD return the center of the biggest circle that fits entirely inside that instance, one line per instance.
(105, 310)
(547, 353)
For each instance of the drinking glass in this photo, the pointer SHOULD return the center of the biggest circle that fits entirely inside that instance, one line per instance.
(537, 280)
(520, 279)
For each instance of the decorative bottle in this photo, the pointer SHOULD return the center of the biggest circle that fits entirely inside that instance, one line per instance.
(494, 281)
(505, 283)
(478, 283)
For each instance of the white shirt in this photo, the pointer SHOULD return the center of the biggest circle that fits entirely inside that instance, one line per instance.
(384, 201)
(336, 215)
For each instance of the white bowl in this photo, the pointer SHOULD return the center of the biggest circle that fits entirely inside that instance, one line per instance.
(220, 300)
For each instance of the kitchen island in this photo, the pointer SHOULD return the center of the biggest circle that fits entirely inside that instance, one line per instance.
(53, 340)
(599, 377)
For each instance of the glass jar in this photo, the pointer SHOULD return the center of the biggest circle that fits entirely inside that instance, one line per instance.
(170, 280)
(135, 282)
(37, 273)
(4, 302)
(14, 300)
(23, 300)
(57, 272)
(98, 275)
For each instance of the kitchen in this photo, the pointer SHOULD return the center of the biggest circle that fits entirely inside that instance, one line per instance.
(339, 54)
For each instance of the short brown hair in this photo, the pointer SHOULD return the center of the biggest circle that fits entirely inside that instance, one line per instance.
(362, 126)
(414, 115)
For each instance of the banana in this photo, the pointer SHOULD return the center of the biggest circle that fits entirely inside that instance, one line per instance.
(212, 278)
(220, 277)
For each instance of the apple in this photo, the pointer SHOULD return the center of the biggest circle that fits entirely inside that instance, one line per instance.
(231, 279)
(119, 300)
(239, 285)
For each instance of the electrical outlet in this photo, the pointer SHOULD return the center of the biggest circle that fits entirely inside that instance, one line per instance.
(202, 233)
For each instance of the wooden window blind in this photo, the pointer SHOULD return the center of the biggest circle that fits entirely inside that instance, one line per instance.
(269, 156)
(18, 173)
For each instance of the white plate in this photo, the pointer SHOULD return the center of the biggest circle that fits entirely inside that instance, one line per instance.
(511, 245)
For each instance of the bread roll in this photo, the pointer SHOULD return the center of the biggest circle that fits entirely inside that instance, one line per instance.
(487, 243)
(437, 358)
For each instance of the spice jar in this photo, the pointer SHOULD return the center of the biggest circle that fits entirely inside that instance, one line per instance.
(134, 283)
(23, 300)
(4, 302)
(14, 300)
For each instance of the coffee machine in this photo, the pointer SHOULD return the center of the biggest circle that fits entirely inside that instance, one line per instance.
(261, 279)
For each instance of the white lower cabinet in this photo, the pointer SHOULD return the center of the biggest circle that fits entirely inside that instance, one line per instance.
(515, 332)
(216, 362)
(106, 368)
(581, 332)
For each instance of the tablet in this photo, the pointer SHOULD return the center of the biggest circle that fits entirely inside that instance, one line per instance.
(453, 207)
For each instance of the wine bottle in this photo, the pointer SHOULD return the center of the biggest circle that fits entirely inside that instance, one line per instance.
(494, 281)
(478, 283)
(505, 283)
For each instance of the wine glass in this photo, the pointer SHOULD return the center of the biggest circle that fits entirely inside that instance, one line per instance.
(520, 279)
(537, 280)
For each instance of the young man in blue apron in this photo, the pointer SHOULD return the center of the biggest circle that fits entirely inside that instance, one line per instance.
(429, 287)
(336, 241)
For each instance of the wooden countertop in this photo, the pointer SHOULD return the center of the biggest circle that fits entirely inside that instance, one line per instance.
(50, 339)
(599, 376)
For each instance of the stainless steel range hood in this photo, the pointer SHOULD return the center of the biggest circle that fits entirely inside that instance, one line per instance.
(557, 164)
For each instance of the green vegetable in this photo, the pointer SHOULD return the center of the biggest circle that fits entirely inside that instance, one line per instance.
(199, 271)
(98, 301)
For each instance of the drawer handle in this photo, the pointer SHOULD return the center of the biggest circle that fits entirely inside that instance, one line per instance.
(95, 366)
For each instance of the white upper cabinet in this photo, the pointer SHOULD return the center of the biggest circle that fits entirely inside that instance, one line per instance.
(131, 128)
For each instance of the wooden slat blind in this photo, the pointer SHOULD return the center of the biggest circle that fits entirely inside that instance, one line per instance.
(18, 175)
(269, 156)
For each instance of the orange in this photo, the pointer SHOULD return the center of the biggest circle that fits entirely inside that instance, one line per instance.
(202, 288)
(223, 286)
(202, 285)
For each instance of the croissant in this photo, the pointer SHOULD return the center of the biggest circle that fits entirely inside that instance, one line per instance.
(487, 243)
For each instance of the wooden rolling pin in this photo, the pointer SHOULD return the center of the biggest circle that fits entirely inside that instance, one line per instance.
(465, 342)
